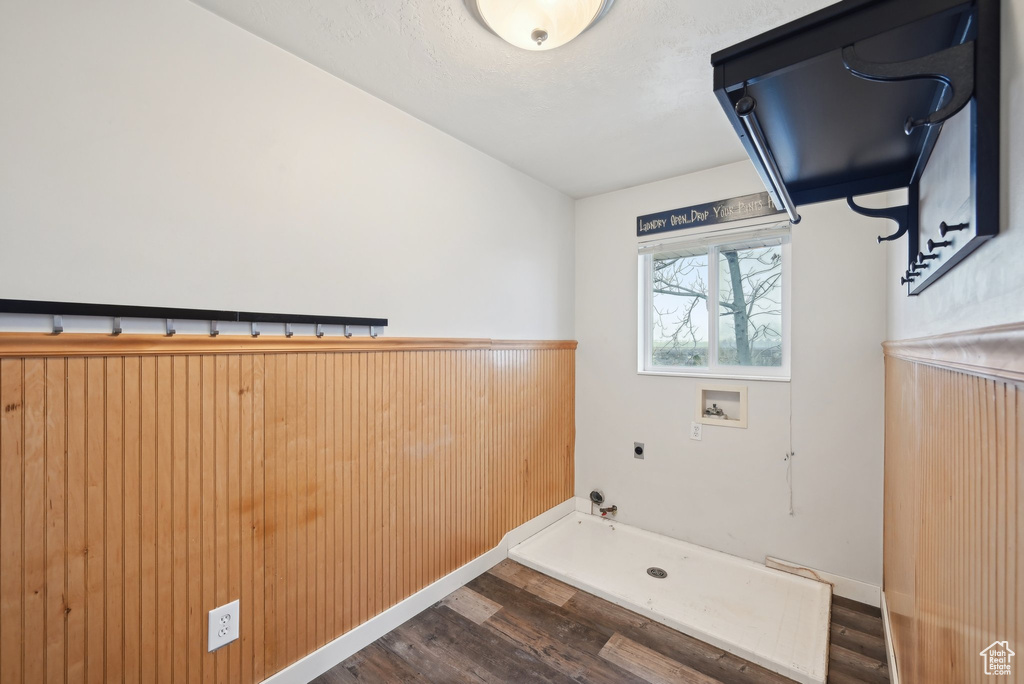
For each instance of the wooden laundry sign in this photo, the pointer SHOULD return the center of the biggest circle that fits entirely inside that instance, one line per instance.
(710, 213)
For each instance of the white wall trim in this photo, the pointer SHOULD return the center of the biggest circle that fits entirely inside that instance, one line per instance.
(841, 586)
(329, 655)
(890, 651)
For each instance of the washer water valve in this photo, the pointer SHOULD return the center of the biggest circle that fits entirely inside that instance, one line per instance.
(596, 499)
(715, 412)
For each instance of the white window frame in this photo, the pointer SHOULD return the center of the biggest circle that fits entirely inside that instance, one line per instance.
(714, 242)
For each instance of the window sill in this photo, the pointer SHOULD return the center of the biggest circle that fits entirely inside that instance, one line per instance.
(716, 376)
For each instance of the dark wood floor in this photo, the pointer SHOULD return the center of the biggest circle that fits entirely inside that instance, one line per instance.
(856, 650)
(512, 624)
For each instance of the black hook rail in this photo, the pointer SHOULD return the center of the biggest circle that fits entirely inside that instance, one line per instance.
(29, 306)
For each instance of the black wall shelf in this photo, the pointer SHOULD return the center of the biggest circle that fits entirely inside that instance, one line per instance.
(850, 101)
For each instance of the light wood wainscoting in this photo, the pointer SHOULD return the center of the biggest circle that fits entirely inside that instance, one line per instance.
(146, 480)
(954, 501)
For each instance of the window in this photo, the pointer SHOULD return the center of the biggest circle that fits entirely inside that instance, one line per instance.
(716, 306)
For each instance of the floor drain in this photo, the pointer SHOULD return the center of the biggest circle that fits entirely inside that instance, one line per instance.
(657, 573)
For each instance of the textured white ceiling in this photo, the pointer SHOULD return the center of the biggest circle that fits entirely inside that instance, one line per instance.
(627, 102)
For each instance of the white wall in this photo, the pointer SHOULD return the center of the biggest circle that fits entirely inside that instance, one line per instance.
(729, 491)
(152, 153)
(987, 288)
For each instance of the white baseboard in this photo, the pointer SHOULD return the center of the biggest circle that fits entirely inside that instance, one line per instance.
(841, 586)
(890, 652)
(329, 655)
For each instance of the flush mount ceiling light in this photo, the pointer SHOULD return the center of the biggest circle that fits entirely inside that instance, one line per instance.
(539, 24)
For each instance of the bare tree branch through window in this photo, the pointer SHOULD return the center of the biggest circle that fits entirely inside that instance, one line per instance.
(749, 307)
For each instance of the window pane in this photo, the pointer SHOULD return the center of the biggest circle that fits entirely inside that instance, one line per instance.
(750, 306)
(679, 319)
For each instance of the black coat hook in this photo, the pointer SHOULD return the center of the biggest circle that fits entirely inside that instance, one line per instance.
(945, 228)
(901, 215)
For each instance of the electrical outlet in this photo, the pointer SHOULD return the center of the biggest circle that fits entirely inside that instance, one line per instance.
(696, 429)
(223, 627)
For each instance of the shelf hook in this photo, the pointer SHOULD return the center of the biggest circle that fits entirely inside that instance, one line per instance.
(945, 229)
(117, 327)
(348, 331)
(373, 332)
(319, 330)
(214, 330)
(288, 332)
(170, 327)
(953, 67)
(254, 328)
(901, 215)
(58, 324)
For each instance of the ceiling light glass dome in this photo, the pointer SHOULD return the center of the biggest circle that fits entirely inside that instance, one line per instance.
(540, 24)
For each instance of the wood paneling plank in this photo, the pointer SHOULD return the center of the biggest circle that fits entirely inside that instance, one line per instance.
(95, 492)
(309, 483)
(389, 379)
(245, 506)
(208, 505)
(56, 550)
(193, 505)
(231, 514)
(164, 540)
(345, 485)
(222, 504)
(114, 520)
(178, 579)
(271, 555)
(34, 488)
(373, 498)
(132, 656)
(319, 484)
(292, 503)
(260, 558)
(11, 521)
(363, 541)
(330, 502)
